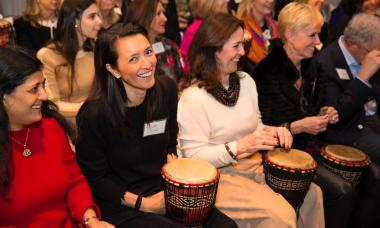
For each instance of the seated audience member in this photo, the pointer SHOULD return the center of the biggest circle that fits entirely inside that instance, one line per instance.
(117, 149)
(351, 65)
(40, 182)
(37, 25)
(151, 15)
(200, 10)
(109, 15)
(68, 62)
(292, 93)
(345, 11)
(220, 122)
(256, 15)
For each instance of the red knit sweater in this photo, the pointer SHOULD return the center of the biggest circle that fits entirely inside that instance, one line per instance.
(48, 189)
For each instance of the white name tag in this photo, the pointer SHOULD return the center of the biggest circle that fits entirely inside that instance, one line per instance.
(342, 73)
(154, 128)
(158, 48)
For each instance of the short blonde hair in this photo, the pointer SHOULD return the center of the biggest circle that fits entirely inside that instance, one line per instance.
(295, 16)
(201, 9)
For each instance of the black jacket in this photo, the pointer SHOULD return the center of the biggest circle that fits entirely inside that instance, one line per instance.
(347, 96)
(279, 100)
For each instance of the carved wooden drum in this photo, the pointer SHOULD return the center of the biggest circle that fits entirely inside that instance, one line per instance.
(289, 173)
(190, 190)
(345, 161)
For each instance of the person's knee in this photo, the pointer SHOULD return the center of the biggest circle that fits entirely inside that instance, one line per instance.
(282, 213)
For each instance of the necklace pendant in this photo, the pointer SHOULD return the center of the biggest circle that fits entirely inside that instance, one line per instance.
(26, 152)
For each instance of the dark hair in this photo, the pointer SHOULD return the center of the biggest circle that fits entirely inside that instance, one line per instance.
(141, 12)
(351, 7)
(65, 38)
(16, 65)
(110, 90)
(210, 38)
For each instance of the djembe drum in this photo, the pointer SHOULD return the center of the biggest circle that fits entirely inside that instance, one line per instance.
(190, 190)
(345, 161)
(5, 30)
(289, 173)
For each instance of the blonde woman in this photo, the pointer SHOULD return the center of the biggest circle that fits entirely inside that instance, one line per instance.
(257, 18)
(107, 10)
(37, 25)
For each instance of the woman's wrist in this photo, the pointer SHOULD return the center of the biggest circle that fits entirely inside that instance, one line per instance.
(132, 200)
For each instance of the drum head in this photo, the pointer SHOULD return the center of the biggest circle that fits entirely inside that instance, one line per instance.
(345, 153)
(293, 158)
(190, 171)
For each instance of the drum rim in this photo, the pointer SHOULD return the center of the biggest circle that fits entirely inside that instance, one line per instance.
(338, 161)
(291, 169)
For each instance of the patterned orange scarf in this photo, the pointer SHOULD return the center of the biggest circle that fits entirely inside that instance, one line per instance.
(260, 40)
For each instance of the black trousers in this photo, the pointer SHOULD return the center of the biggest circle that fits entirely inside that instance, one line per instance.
(134, 218)
(346, 206)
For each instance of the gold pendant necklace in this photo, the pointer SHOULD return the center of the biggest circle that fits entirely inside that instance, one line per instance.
(26, 152)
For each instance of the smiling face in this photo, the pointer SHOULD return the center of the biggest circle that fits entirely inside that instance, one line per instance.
(157, 26)
(370, 6)
(136, 63)
(90, 23)
(262, 8)
(228, 58)
(48, 5)
(301, 44)
(23, 105)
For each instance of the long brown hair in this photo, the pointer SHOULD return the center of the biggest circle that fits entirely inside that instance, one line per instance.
(210, 38)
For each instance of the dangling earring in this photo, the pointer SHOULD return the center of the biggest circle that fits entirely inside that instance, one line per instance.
(76, 26)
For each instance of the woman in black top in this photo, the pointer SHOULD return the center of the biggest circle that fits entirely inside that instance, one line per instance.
(37, 25)
(127, 130)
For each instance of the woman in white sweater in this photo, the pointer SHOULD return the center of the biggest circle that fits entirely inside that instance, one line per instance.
(220, 122)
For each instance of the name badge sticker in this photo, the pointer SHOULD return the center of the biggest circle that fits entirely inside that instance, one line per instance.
(342, 73)
(154, 128)
(158, 48)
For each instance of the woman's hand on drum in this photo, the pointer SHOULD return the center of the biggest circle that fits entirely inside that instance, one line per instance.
(312, 125)
(171, 157)
(283, 135)
(331, 112)
(258, 140)
(154, 203)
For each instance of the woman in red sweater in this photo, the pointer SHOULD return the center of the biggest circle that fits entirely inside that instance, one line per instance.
(40, 182)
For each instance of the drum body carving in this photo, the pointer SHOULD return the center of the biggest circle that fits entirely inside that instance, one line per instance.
(5, 30)
(345, 161)
(190, 190)
(289, 173)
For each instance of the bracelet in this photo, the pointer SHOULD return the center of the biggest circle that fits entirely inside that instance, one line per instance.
(88, 219)
(233, 156)
(138, 202)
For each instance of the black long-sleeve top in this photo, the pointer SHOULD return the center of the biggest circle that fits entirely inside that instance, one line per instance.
(114, 164)
(279, 100)
(29, 36)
